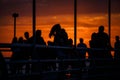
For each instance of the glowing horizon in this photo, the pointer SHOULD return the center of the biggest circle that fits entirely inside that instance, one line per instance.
(86, 25)
(90, 15)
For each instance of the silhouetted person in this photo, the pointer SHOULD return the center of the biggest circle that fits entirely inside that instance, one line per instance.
(39, 54)
(102, 47)
(27, 38)
(93, 54)
(17, 55)
(93, 44)
(117, 57)
(27, 51)
(117, 47)
(80, 54)
(60, 39)
(3, 68)
(101, 40)
(14, 52)
(70, 52)
(82, 51)
(55, 31)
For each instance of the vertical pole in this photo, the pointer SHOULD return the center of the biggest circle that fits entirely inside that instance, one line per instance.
(75, 21)
(34, 20)
(14, 26)
(109, 19)
(15, 15)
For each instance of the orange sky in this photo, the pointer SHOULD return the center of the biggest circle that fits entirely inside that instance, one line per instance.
(90, 16)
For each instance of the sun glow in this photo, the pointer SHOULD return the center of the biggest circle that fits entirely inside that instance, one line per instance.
(86, 25)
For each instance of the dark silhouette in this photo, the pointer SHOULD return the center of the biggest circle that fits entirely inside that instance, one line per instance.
(117, 56)
(27, 38)
(3, 68)
(117, 47)
(82, 48)
(27, 51)
(60, 39)
(70, 52)
(101, 44)
(101, 40)
(17, 55)
(14, 52)
(60, 35)
(93, 45)
(38, 54)
(51, 54)
(15, 15)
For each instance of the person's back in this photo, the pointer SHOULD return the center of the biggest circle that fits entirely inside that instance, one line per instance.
(82, 46)
(39, 38)
(117, 47)
(103, 43)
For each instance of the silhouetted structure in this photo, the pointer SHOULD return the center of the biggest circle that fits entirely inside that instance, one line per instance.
(3, 68)
(15, 15)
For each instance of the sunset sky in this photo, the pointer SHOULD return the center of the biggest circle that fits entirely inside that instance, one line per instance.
(90, 15)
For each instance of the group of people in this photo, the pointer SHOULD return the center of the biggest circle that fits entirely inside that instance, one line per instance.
(99, 44)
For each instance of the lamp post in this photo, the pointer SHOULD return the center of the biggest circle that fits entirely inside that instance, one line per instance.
(15, 15)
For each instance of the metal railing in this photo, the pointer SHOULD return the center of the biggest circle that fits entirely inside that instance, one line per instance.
(79, 68)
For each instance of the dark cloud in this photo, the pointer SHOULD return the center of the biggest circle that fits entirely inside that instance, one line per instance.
(56, 7)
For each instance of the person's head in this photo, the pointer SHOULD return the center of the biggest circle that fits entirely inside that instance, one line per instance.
(38, 33)
(117, 38)
(70, 41)
(101, 28)
(20, 40)
(93, 36)
(81, 40)
(26, 34)
(14, 40)
(55, 29)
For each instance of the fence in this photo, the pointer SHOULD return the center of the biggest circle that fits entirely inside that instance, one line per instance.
(70, 67)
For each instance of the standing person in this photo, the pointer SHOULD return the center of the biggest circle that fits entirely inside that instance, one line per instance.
(117, 47)
(14, 50)
(117, 56)
(27, 51)
(17, 55)
(60, 39)
(82, 46)
(39, 53)
(103, 43)
(81, 52)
